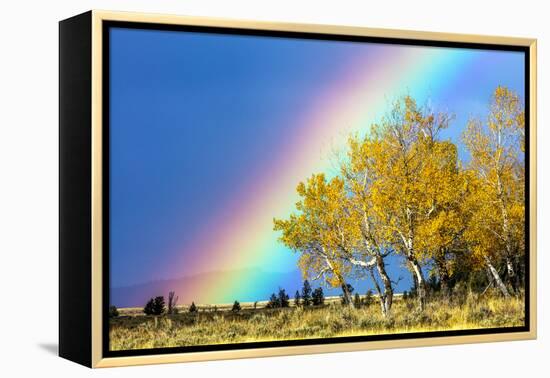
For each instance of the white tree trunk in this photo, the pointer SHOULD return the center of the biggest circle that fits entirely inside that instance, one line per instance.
(496, 277)
(387, 299)
(511, 272)
(417, 269)
(347, 295)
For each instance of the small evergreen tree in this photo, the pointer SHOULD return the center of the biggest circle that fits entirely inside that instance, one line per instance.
(193, 308)
(357, 300)
(283, 298)
(113, 312)
(306, 294)
(273, 301)
(318, 297)
(297, 298)
(236, 307)
(158, 305)
(405, 295)
(149, 307)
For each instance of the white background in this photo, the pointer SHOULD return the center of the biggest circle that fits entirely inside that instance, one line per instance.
(29, 189)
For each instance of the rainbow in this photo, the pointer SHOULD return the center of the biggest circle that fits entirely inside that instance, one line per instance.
(240, 234)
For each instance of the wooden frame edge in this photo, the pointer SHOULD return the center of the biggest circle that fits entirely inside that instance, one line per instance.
(310, 28)
(310, 349)
(98, 361)
(97, 198)
(533, 187)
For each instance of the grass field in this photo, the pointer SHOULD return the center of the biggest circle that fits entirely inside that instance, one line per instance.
(132, 330)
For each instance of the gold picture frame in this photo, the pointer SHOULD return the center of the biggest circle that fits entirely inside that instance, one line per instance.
(90, 329)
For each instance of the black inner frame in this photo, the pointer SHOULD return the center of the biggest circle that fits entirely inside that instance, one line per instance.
(106, 25)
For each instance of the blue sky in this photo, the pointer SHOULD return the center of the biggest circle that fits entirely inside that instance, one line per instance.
(193, 116)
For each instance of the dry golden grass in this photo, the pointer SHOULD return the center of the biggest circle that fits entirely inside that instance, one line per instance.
(333, 320)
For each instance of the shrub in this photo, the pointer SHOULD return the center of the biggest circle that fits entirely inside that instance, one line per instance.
(258, 318)
(368, 322)
(236, 307)
(479, 314)
(113, 312)
(193, 308)
(337, 325)
(350, 317)
(318, 297)
(149, 307)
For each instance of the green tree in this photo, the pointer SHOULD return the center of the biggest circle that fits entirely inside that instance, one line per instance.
(236, 307)
(318, 297)
(113, 312)
(193, 308)
(149, 307)
(306, 293)
(273, 301)
(297, 299)
(159, 306)
(283, 298)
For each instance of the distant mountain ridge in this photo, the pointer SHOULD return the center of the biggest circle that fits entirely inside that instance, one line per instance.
(188, 288)
(255, 284)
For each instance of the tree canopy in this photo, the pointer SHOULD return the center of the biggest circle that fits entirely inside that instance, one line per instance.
(403, 189)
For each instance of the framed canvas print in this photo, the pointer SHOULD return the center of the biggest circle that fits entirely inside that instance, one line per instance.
(237, 188)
